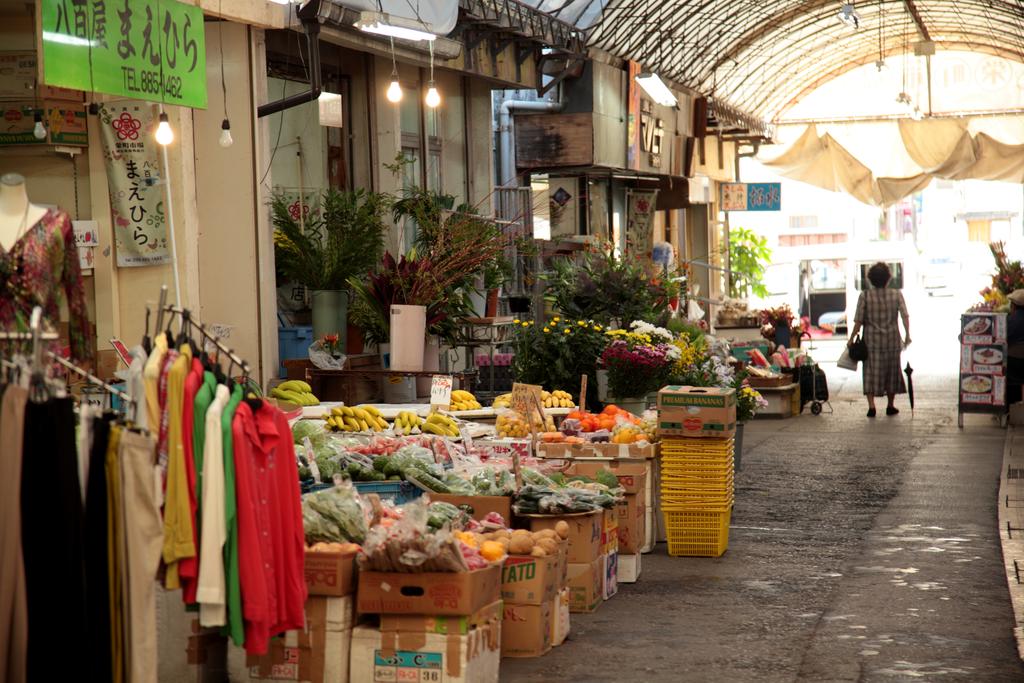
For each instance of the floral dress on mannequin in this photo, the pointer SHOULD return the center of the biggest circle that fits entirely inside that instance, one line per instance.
(40, 269)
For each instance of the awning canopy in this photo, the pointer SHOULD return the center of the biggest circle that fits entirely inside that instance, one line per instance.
(760, 56)
(936, 148)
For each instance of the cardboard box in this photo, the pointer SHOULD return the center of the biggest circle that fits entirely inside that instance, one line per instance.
(586, 585)
(610, 532)
(611, 574)
(527, 580)
(443, 626)
(471, 658)
(584, 533)
(478, 506)
(629, 568)
(526, 629)
(563, 564)
(632, 531)
(435, 593)
(320, 654)
(560, 618)
(632, 475)
(631, 451)
(697, 411)
(330, 573)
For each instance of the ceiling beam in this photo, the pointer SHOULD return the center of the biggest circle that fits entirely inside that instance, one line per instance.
(912, 8)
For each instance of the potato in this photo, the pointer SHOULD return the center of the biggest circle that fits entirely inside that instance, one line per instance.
(562, 529)
(550, 545)
(538, 552)
(502, 533)
(521, 532)
(504, 542)
(520, 545)
(548, 533)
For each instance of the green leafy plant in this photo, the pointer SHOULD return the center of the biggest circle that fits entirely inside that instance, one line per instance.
(601, 287)
(749, 255)
(343, 238)
(558, 353)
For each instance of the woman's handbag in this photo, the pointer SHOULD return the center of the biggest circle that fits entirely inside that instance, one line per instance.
(858, 349)
(845, 362)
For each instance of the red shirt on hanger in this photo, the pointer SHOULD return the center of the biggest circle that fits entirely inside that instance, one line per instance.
(271, 540)
(188, 568)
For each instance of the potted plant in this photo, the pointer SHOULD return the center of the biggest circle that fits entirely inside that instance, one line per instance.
(558, 353)
(343, 237)
(776, 324)
(749, 255)
(639, 362)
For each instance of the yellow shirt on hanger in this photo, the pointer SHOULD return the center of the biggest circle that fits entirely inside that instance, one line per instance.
(178, 542)
(151, 381)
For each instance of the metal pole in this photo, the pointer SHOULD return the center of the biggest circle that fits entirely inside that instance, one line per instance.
(170, 222)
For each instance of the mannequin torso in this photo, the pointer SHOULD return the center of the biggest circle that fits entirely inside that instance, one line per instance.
(17, 214)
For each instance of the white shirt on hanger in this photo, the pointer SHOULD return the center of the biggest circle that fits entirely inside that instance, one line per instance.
(212, 593)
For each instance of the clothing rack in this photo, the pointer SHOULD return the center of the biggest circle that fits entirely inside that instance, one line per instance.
(93, 379)
(186, 318)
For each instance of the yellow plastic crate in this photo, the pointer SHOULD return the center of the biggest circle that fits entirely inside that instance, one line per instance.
(694, 533)
(673, 445)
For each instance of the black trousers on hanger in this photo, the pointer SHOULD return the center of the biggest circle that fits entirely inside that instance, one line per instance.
(97, 571)
(52, 544)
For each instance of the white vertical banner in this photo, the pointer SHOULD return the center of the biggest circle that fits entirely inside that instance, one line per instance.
(133, 171)
(640, 221)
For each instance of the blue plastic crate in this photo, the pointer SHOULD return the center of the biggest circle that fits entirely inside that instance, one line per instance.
(292, 343)
(398, 492)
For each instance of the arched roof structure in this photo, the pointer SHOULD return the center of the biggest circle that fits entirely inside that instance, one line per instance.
(761, 56)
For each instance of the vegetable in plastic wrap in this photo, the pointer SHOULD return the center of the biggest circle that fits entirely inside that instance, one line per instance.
(311, 428)
(407, 545)
(440, 514)
(340, 512)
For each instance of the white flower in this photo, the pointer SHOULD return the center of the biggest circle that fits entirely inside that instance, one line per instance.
(655, 332)
(673, 353)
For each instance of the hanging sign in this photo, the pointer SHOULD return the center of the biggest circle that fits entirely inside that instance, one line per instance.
(136, 200)
(144, 49)
(751, 196)
(640, 221)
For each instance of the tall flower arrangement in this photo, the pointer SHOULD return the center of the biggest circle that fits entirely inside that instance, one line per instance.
(558, 353)
(638, 360)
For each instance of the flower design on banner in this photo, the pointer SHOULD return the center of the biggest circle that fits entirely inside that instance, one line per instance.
(127, 126)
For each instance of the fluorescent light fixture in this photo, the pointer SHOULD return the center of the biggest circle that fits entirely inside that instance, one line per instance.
(393, 27)
(656, 88)
(54, 37)
(849, 16)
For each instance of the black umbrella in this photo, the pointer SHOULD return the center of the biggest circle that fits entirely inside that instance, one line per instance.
(909, 371)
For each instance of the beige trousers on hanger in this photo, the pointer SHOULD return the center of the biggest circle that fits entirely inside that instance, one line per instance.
(13, 609)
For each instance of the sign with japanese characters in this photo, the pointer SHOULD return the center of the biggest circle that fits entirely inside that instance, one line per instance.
(144, 49)
(136, 198)
(640, 208)
(751, 196)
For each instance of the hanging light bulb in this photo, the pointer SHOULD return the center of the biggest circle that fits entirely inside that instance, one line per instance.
(225, 139)
(394, 93)
(39, 131)
(433, 98)
(164, 134)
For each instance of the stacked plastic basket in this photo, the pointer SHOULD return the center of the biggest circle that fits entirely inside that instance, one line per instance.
(697, 494)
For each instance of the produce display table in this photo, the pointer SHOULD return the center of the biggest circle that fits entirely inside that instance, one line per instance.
(782, 401)
(342, 385)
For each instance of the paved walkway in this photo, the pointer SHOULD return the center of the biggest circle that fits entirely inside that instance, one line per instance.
(860, 551)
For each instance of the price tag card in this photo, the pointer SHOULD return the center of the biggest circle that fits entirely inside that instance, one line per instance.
(441, 391)
(525, 397)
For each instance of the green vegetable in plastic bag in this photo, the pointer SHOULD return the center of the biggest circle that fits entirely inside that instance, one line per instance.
(334, 515)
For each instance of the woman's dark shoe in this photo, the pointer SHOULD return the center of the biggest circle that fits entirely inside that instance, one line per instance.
(871, 412)
(892, 410)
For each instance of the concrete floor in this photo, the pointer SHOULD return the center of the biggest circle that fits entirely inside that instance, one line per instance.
(859, 551)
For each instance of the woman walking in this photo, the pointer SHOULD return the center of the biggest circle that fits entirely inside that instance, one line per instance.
(878, 309)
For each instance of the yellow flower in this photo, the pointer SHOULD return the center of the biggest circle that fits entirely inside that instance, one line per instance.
(567, 330)
(582, 323)
(516, 321)
(555, 319)
(547, 329)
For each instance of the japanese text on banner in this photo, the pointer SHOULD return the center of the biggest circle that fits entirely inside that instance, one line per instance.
(145, 49)
(136, 201)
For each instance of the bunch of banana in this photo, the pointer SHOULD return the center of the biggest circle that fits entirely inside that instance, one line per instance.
(463, 400)
(439, 424)
(557, 399)
(503, 401)
(408, 422)
(295, 391)
(358, 419)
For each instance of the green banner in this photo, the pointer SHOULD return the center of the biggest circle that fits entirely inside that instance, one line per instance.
(144, 49)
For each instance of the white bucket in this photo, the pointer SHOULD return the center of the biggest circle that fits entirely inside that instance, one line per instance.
(408, 337)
